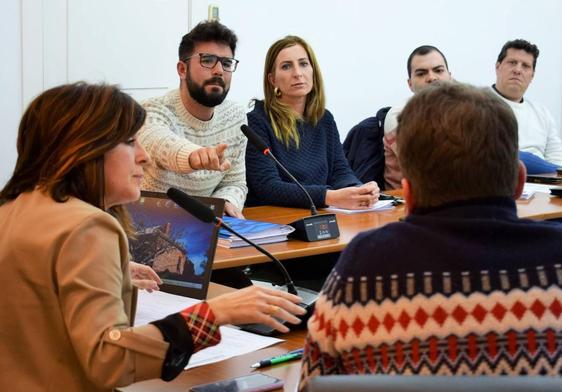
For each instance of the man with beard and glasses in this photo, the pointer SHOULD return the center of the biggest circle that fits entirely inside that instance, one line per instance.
(193, 134)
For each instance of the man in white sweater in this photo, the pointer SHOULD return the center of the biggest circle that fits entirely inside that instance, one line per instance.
(515, 69)
(193, 134)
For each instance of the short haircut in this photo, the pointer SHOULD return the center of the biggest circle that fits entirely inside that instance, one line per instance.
(422, 51)
(520, 44)
(206, 32)
(457, 142)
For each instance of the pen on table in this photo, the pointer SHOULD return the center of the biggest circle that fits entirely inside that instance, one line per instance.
(385, 196)
(395, 199)
(295, 354)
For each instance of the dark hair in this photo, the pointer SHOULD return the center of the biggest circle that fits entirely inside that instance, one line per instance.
(457, 142)
(62, 138)
(206, 32)
(422, 51)
(520, 44)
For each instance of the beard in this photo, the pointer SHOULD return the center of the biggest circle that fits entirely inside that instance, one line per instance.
(198, 93)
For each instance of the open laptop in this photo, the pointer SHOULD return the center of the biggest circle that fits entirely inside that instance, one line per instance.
(178, 246)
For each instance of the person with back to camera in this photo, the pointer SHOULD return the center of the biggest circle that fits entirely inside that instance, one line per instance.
(462, 286)
(66, 322)
(302, 134)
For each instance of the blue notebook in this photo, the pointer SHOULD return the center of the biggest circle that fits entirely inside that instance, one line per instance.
(258, 232)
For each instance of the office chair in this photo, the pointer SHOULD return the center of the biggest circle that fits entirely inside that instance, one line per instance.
(374, 383)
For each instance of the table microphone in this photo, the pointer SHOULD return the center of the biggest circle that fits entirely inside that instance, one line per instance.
(205, 214)
(312, 228)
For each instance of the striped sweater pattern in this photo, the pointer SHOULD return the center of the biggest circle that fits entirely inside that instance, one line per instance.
(448, 323)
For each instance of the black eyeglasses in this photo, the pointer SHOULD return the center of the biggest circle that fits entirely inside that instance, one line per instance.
(207, 60)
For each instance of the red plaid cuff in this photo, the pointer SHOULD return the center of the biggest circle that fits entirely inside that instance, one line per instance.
(200, 321)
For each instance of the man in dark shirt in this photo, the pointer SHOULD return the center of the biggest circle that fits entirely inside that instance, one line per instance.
(462, 285)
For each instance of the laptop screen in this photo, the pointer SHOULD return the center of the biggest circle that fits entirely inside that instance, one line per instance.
(178, 246)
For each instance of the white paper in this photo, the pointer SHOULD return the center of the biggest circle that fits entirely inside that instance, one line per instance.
(234, 342)
(157, 305)
(381, 205)
(531, 188)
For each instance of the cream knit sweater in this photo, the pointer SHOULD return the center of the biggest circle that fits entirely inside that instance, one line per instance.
(171, 133)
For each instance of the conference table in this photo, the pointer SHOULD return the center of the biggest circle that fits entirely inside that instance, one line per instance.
(539, 207)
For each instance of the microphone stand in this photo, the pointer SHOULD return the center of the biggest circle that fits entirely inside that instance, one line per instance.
(308, 296)
(310, 228)
(313, 210)
(205, 214)
(288, 281)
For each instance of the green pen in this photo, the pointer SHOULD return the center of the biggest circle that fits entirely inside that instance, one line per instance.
(295, 354)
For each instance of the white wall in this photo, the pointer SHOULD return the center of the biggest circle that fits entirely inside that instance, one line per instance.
(10, 84)
(362, 45)
(135, 45)
(132, 43)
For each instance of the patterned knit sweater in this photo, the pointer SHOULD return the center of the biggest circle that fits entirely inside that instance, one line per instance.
(171, 133)
(319, 163)
(467, 288)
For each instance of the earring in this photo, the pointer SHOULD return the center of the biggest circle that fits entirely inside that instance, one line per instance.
(277, 92)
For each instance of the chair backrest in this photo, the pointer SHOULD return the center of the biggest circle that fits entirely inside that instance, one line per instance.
(364, 149)
(379, 383)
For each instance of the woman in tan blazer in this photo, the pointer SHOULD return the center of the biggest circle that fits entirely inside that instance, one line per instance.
(66, 307)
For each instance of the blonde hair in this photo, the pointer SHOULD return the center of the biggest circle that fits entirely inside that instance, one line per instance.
(283, 118)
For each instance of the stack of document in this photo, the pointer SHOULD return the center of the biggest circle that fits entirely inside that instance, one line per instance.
(258, 232)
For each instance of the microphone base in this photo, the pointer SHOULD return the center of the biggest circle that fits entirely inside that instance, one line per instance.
(309, 298)
(316, 228)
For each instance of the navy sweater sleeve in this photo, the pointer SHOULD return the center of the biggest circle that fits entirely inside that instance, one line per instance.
(341, 175)
(266, 184)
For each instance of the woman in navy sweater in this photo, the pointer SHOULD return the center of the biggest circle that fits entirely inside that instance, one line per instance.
(302, 134)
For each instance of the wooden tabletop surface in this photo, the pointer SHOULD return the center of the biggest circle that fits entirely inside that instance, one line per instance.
(289, 372)
(540, 206)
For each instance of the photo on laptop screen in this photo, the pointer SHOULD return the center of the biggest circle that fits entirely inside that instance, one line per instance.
(178, 246)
